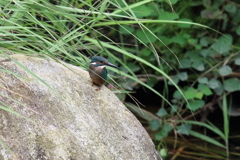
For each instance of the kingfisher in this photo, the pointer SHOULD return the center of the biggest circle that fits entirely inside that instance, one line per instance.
(98, 72)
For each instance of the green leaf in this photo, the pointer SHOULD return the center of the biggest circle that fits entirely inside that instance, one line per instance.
(231, 8)
(203, 80)
(163, 152)
(208, 52)
(133, 67)
(175, 80)
(192, 41)
(187, 36)
(165, 40)
(236, 18)
(184, 129)
(142, 11)
(174, 101)
(162, 112)
(225, 70)
(154, 124)
(223, 44)
(125, 29)
(199, 95)
(168, 16)
(179, 40)
(198, 65)
(145, 52)
(167, 127)
(191, 55)
(238, 30)
(218, 3)
(205, 41)
(213, 83)
(152, 81)
(204, 89)
(177, 95)
(217, 86)
(161, 134)
(206, 3)
(194, 105)
(232, 84)
(119, 3)
(219, 90)
(174, 1)
(145, 37)
(190, 93)
(185, 63)
(182, 76)
(198, 47)
(237, 61)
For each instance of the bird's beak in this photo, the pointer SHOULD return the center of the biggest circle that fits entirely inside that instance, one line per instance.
(112, 65)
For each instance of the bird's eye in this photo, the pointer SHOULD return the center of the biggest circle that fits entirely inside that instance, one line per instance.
(101, 61)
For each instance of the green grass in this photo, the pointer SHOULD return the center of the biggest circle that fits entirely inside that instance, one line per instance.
(74, 31)
(61, 31)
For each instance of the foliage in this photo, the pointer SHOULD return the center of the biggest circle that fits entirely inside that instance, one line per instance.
(70, 31)
(206, 65)
(151, 42)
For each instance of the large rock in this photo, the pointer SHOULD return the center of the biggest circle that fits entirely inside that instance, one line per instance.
(71, 121)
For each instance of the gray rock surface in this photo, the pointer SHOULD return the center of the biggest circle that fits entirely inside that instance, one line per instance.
(71, 121)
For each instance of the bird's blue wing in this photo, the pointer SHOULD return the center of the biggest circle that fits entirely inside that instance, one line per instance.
(104, 73)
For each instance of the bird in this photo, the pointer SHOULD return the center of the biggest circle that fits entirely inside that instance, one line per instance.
(98, 72)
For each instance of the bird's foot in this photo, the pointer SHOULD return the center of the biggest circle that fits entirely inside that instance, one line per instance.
(98, 89)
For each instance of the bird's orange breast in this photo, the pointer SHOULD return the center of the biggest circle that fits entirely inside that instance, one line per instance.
(95, 75)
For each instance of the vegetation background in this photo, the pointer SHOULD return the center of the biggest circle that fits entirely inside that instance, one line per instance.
(179, 61)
